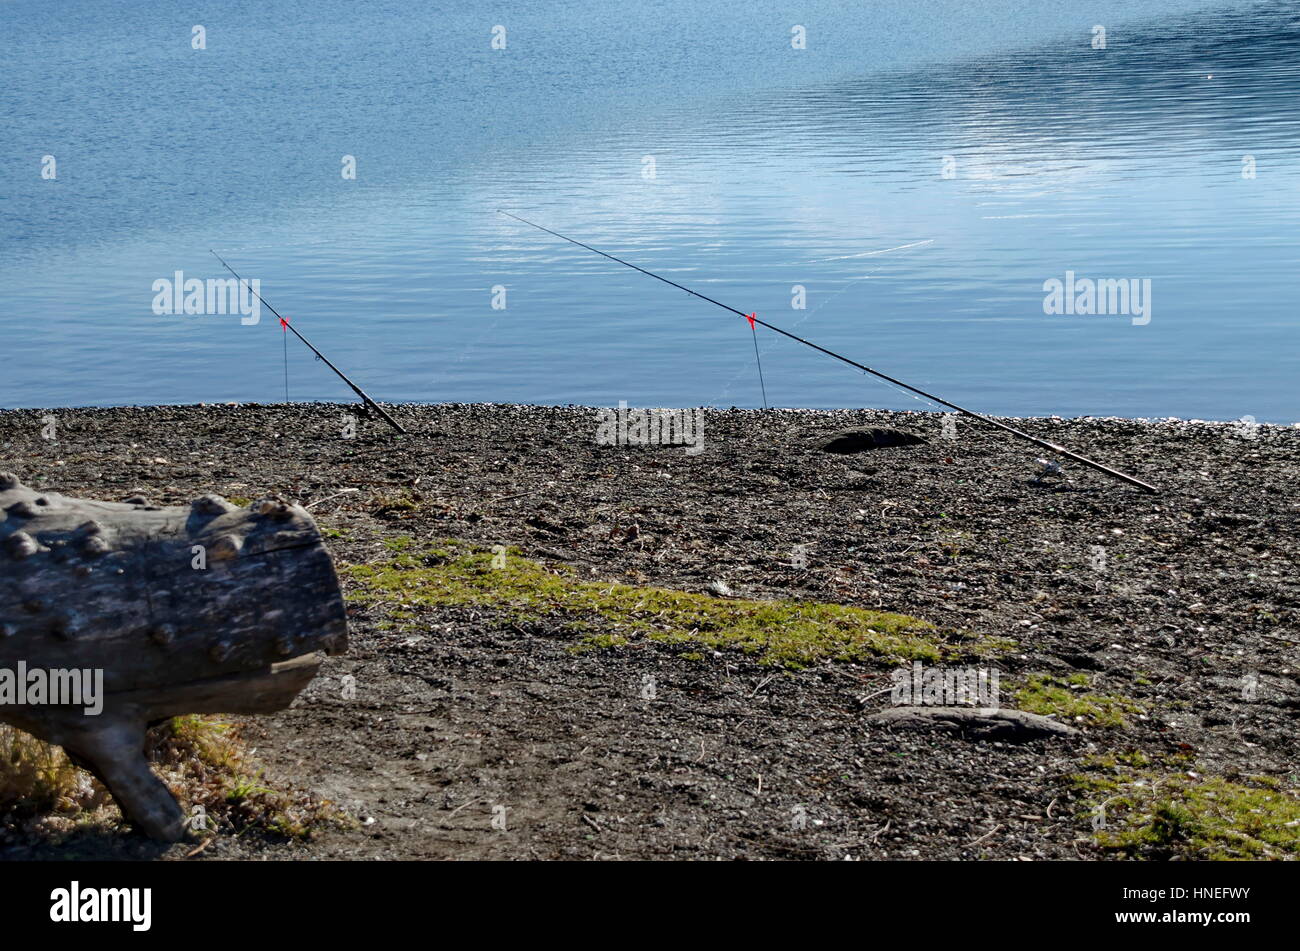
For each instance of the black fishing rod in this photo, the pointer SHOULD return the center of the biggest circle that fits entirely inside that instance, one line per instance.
(320, 356)
(753, 319)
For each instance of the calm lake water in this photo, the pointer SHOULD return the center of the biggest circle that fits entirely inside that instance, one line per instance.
(920, 170)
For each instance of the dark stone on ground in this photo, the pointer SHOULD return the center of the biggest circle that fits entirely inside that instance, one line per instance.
(853, 441)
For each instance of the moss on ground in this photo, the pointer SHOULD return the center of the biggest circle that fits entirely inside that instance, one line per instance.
(1069, 698)
(201, 759)
(206, 763)
(37, 779)
(1161, 815)
(611, 614)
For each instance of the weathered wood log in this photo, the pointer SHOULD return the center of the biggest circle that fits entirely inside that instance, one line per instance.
(207, 609)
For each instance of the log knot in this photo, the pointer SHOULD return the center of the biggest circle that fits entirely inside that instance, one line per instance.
(20, 545)
(273, 507)
(226, 547)
(211, 504)
(23, 509)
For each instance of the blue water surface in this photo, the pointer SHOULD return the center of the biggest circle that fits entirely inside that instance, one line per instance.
(919, 170)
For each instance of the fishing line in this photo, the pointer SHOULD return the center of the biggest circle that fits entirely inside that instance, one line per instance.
(753, 319)
(319, 356)
(809, 315)
(758, 359)
(284, 334)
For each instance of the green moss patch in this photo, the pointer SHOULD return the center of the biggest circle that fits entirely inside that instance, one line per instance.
(1149, 814)
(1069, 698)
(610, 614)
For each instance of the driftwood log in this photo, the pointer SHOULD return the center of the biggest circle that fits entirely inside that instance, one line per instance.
(210, 608)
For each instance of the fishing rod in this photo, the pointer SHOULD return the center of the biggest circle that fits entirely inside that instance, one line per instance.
(320, 356)
(753, 319)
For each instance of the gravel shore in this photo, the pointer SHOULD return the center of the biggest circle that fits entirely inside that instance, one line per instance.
(1176, 613)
